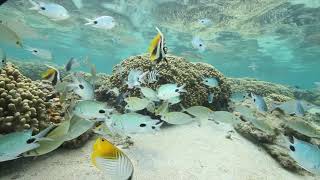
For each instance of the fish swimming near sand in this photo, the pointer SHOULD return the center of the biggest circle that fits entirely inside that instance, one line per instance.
(305, 154)
(132, 123)
(53, 140)
(157, 48)
(78, 126)
(111, 161)
(52, 75)
(9, 36)
(52, 11)
(14, 144)
(259, 102)
(177, 118)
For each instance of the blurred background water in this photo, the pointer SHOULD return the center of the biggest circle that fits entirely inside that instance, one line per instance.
(271, 40)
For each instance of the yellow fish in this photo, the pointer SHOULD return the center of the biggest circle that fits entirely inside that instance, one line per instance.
(52, 74)
(157, 48)
(111, 160)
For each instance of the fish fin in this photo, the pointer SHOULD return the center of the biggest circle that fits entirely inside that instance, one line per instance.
(183, 109)
(119, 168)
(40, 136)
(89, 21)
(35, 6)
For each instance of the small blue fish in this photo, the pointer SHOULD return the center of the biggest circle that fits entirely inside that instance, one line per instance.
(198, 43)
(205, 22)
(210, 98)
(306, 155)
(211, 82)
(259, 102)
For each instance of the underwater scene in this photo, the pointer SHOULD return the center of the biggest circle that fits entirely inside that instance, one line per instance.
(154, 90)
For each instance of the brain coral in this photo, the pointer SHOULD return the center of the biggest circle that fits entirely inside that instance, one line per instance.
(24, 104)
(177, 70)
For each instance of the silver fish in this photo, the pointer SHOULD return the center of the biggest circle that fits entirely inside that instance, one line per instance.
(293, 107)
(3, 57)
(259, 102)
(305, 154)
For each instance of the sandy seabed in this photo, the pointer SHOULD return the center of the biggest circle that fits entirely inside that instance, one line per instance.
(185, 152)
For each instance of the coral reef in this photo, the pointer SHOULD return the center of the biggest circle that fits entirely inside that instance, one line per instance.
(259, 87)
(177, 70)
(79, 141)
(24, 104)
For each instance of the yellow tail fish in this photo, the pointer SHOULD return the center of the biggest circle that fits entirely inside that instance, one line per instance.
(157, 48)
(52, 74)
(111, 160)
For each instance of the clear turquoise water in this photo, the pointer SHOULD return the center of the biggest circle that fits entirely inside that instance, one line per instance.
(280, 37)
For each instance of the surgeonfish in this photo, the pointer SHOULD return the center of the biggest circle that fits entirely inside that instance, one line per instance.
(53, 11)
(198, 43)
(102, 22)
(293, 107)
(41, 53)
(134, 78)
(77, 127)
(157, 48)
(210, 97)
(259, 102)
(52, 74)
(81, 87)
(177, 118)
(111, 161)
(305, 154)
(136, 104)
(3, 57)
(53, 140)
(78, 3)
(9, 36)
(211, 82)
(168, 91)
(91, 110)
(12, 145)
(132, 123)
(149, 94)
(72, 62)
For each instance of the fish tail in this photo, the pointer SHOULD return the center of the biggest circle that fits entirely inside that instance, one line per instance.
(36, 6)
(89, 21)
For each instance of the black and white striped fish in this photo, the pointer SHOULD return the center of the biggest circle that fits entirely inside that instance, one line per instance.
(152, 76)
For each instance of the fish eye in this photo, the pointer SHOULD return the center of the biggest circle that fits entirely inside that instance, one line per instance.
(102, 111)
(292, 148)
(95, 22)
(17, 43)
(102, 139)
(43, 8)
(200, 45)
(177, 90)
(254, 100)
(81, 86)
(35, 51)
(143, 125)
(153, 127)
(29, 141)
(206, 80)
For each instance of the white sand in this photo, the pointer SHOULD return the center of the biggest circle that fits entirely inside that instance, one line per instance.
(176, 153)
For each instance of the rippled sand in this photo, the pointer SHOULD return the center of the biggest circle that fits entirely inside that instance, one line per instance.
(181, 152)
